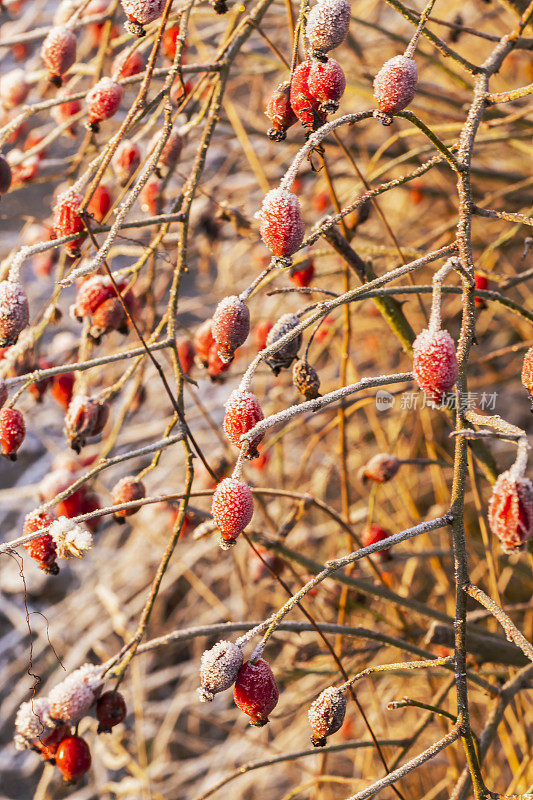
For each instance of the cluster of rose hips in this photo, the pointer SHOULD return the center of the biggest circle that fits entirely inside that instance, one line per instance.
(49, 725)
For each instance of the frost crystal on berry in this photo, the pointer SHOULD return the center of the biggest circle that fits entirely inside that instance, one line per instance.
(71, 699)
(395, 84)
(527, 374)
(219, 668)
(510, 511)
(232, 509)
(32, 722)
(326, 83)
(230, 326)
(14, 312)
(58, 51)
(67, 218)
(327, 25)
(326, 715)
(140, 13)
(282, 226)
(12, 432)
(434, 362)
(103, 101)
(70, 538)
(283, 358)
(242, 413)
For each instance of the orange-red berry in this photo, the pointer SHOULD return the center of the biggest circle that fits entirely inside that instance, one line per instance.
(510, 511)
(381, 468)
(279, 111)
(14, 312)
(302, 275)
(125, 491)
(42, 549)
(58, 51)
(327, 25)
(103, 101)
(261, 331)
(303, 102)
(128, 63)
(67, 220)
(395, 84)
(374, 533)
(186, 353)
(203, 339)
(73, 758)
(326, 84)
(126, 160)
(12, 432)
(230, 326)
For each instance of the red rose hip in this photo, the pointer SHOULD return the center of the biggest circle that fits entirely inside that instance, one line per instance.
(242, 413)
(12, 432)
(326, 83)
(14, 312)
(230, 326)
(58, 51)
(67, 219)
(125, 491)
(73, 758)
(434, 362)
(110, 711)
(103, 102)
(510, 511)
(282, 225)
(395, 84)
(256, 691)
(279, 111)
(232, 509)
(42, 549)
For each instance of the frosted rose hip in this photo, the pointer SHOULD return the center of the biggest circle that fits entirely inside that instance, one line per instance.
(510, 511)
(381, 468)
(126, 490)
(14, 312)
(282, 226)
(256, 691)
(303, 103)
(128, 63)
(395, 84)
(232, 508)
(327, 25)
(64, 112)
(278, 110)
(434, 362)
(242, 413)
(42, 549)
(219, 668)
(67, 219)
(327, 84)
(58, 51)
(140, 13)
(230, 326)
(326, 715)
(283, 358)
(126, 160)
(14, 88)
(103, 101)
(12, 432)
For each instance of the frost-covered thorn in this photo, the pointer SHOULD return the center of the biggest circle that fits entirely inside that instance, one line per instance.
(219, 668)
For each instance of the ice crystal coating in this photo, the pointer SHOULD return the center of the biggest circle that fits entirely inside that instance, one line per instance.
(13, 88)
(42, 549)
(103, 100)
(70, 538)
(510, 511)
(303, 102)
(232, 508)
(395, 84)
(434, 362)
(326, 83)
(282, 226)
(284, 357)
(126, 160)
(306, 380)
(91, 294)
(14, 312)
(242, 413)
(67, 218)
(230, 326)
(143, 11)
(381, 468)
(327, 24)
(219, 668)
(256, 691)
(125, 491)
(71, 699)
(278, 110)
(527, 373)
(12, 431)
(58, 51)
(326, 714)
(32, 722)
